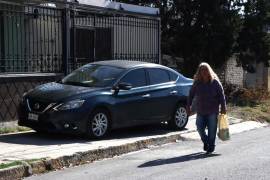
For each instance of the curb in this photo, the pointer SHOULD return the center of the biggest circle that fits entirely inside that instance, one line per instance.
(45, 165)
(79, 158)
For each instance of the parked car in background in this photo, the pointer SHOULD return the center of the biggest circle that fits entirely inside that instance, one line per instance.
(106, 95)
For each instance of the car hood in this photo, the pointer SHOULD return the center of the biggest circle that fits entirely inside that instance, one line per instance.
(57, 92)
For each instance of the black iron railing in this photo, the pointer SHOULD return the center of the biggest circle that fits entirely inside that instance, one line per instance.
(30, 38)
(37, 37)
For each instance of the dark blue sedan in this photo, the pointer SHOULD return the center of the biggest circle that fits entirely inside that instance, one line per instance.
(106, 95)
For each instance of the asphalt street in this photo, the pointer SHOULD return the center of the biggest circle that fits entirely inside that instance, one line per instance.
(246, 156)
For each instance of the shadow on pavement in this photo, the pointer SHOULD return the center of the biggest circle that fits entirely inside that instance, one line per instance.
(33, 138)
(189, 157)
(140, 131)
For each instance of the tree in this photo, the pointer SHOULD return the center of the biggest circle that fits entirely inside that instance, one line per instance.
(206, 31)
(213, 30)
(254, 40)
(198, 30)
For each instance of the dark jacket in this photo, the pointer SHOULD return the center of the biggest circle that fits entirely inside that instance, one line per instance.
(208, 97)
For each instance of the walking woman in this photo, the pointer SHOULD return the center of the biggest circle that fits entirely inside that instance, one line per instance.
(209, 96)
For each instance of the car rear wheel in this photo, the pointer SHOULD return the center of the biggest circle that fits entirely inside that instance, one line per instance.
(180, 118)
(98, 124)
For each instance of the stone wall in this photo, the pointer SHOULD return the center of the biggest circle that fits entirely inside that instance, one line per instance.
(234, 74)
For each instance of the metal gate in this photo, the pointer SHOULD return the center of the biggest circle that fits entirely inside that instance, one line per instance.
(113, 35)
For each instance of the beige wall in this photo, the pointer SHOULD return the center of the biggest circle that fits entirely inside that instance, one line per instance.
(257, 79)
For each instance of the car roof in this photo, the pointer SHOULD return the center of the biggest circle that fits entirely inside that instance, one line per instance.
(126, 64)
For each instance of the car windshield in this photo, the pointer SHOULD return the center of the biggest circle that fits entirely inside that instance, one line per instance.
(93, 76)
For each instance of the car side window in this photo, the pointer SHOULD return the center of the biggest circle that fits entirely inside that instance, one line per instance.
(158, 76)
(173, 76)
(135, 77)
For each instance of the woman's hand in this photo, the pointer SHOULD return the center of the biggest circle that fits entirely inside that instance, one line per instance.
(223, 112)
(188, 108)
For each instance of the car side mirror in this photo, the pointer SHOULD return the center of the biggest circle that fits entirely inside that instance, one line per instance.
(122, 86)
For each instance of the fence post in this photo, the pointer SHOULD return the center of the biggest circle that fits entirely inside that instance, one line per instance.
(159, 42)
(2, 43)
(66, 38)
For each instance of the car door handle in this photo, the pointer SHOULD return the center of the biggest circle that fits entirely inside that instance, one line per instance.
(173, 92)
(146, 96)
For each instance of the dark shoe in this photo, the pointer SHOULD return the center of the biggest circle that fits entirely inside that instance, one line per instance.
(210, 149)
(205, 147)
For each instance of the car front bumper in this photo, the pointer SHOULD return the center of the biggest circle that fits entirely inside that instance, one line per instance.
(72, 121)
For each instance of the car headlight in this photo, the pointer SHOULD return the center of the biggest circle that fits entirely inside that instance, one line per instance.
(24, 94)
(74, 104)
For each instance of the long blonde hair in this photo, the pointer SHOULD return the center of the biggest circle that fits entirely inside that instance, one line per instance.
(212, 74)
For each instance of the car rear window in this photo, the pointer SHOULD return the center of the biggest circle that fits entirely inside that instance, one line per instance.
(173, 76)
(158, 76)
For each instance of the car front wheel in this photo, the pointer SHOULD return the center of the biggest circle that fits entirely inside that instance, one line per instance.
(98, 124)
(180, 118)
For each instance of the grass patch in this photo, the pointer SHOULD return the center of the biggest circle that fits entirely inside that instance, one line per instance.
(34, 160)
(16, 163)
(5, 130)
(11, 164)
(254, 112)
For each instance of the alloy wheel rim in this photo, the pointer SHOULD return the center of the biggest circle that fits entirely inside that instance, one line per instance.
(181, 117)
(99, 124)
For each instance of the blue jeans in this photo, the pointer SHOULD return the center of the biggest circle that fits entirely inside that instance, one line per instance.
(209, 121)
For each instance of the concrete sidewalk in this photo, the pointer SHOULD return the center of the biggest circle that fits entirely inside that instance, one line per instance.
(64, 151)
(30, 145)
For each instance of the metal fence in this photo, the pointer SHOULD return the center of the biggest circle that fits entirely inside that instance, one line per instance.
(112, 36)
(30, 38)
(37, 37)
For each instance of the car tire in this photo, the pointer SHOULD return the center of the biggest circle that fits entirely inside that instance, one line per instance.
(180, 118)
(99, 124)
